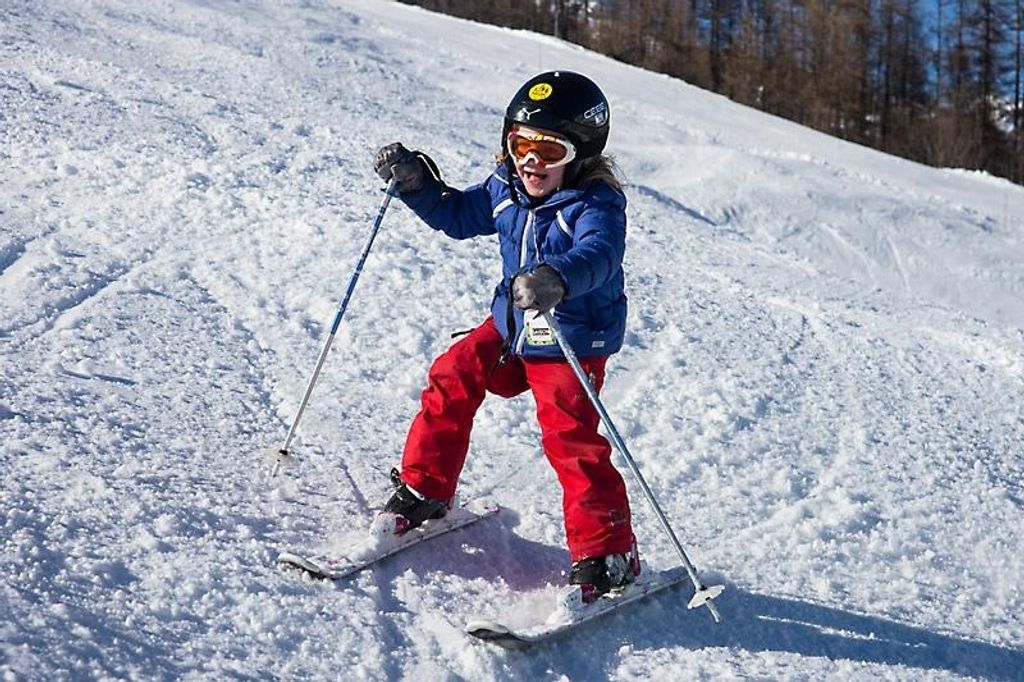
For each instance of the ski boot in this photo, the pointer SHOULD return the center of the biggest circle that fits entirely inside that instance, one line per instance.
(407, 509)
(594, 577)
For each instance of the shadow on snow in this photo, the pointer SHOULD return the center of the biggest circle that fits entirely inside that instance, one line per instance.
(751, 622)
(761, 623)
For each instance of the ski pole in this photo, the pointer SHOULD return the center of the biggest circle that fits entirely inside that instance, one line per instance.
(703, 595)
(281, 454)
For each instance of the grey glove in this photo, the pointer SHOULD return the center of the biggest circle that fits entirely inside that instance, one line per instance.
(540, 289)
(395, 159)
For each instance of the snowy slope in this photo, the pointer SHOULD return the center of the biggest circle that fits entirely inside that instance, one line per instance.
(823, 376)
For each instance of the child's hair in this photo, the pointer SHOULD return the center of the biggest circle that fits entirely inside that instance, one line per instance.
(599, 168)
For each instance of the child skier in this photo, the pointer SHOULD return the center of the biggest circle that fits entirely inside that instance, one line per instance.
(559, 213)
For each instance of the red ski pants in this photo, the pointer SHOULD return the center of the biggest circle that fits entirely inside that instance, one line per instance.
(594, 503)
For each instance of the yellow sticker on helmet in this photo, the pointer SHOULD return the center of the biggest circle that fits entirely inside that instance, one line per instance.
(540, 91)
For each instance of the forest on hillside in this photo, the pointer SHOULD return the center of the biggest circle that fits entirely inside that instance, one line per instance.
(936, 81)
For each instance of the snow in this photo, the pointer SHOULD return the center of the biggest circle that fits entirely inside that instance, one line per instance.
(822, 380)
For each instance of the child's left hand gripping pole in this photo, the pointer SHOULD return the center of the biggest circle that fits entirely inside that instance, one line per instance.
(281, 456)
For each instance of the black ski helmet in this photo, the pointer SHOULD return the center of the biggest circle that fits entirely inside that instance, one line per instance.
(564, 102)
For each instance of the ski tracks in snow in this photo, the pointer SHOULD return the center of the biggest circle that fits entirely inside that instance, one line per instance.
(765, 372)
(185, 195)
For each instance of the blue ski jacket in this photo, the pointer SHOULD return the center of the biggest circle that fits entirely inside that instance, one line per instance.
(580, 232)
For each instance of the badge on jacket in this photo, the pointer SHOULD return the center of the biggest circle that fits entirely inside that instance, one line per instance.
(538, 331)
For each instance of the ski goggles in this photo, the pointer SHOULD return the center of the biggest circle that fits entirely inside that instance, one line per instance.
(546, 150)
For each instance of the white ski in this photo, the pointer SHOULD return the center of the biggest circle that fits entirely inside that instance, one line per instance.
(379, 546)
(564, 620)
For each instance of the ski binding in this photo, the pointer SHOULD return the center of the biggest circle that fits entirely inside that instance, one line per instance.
(382, 542)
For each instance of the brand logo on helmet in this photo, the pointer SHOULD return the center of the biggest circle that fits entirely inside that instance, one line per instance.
(540, 91)
(598, 115)
(525, 114)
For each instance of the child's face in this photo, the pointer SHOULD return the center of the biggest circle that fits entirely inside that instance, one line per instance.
(540, 157)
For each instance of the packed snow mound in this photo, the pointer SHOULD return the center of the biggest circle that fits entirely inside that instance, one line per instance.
(822, 380)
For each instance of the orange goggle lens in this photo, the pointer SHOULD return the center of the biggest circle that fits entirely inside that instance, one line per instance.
(546, 149)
